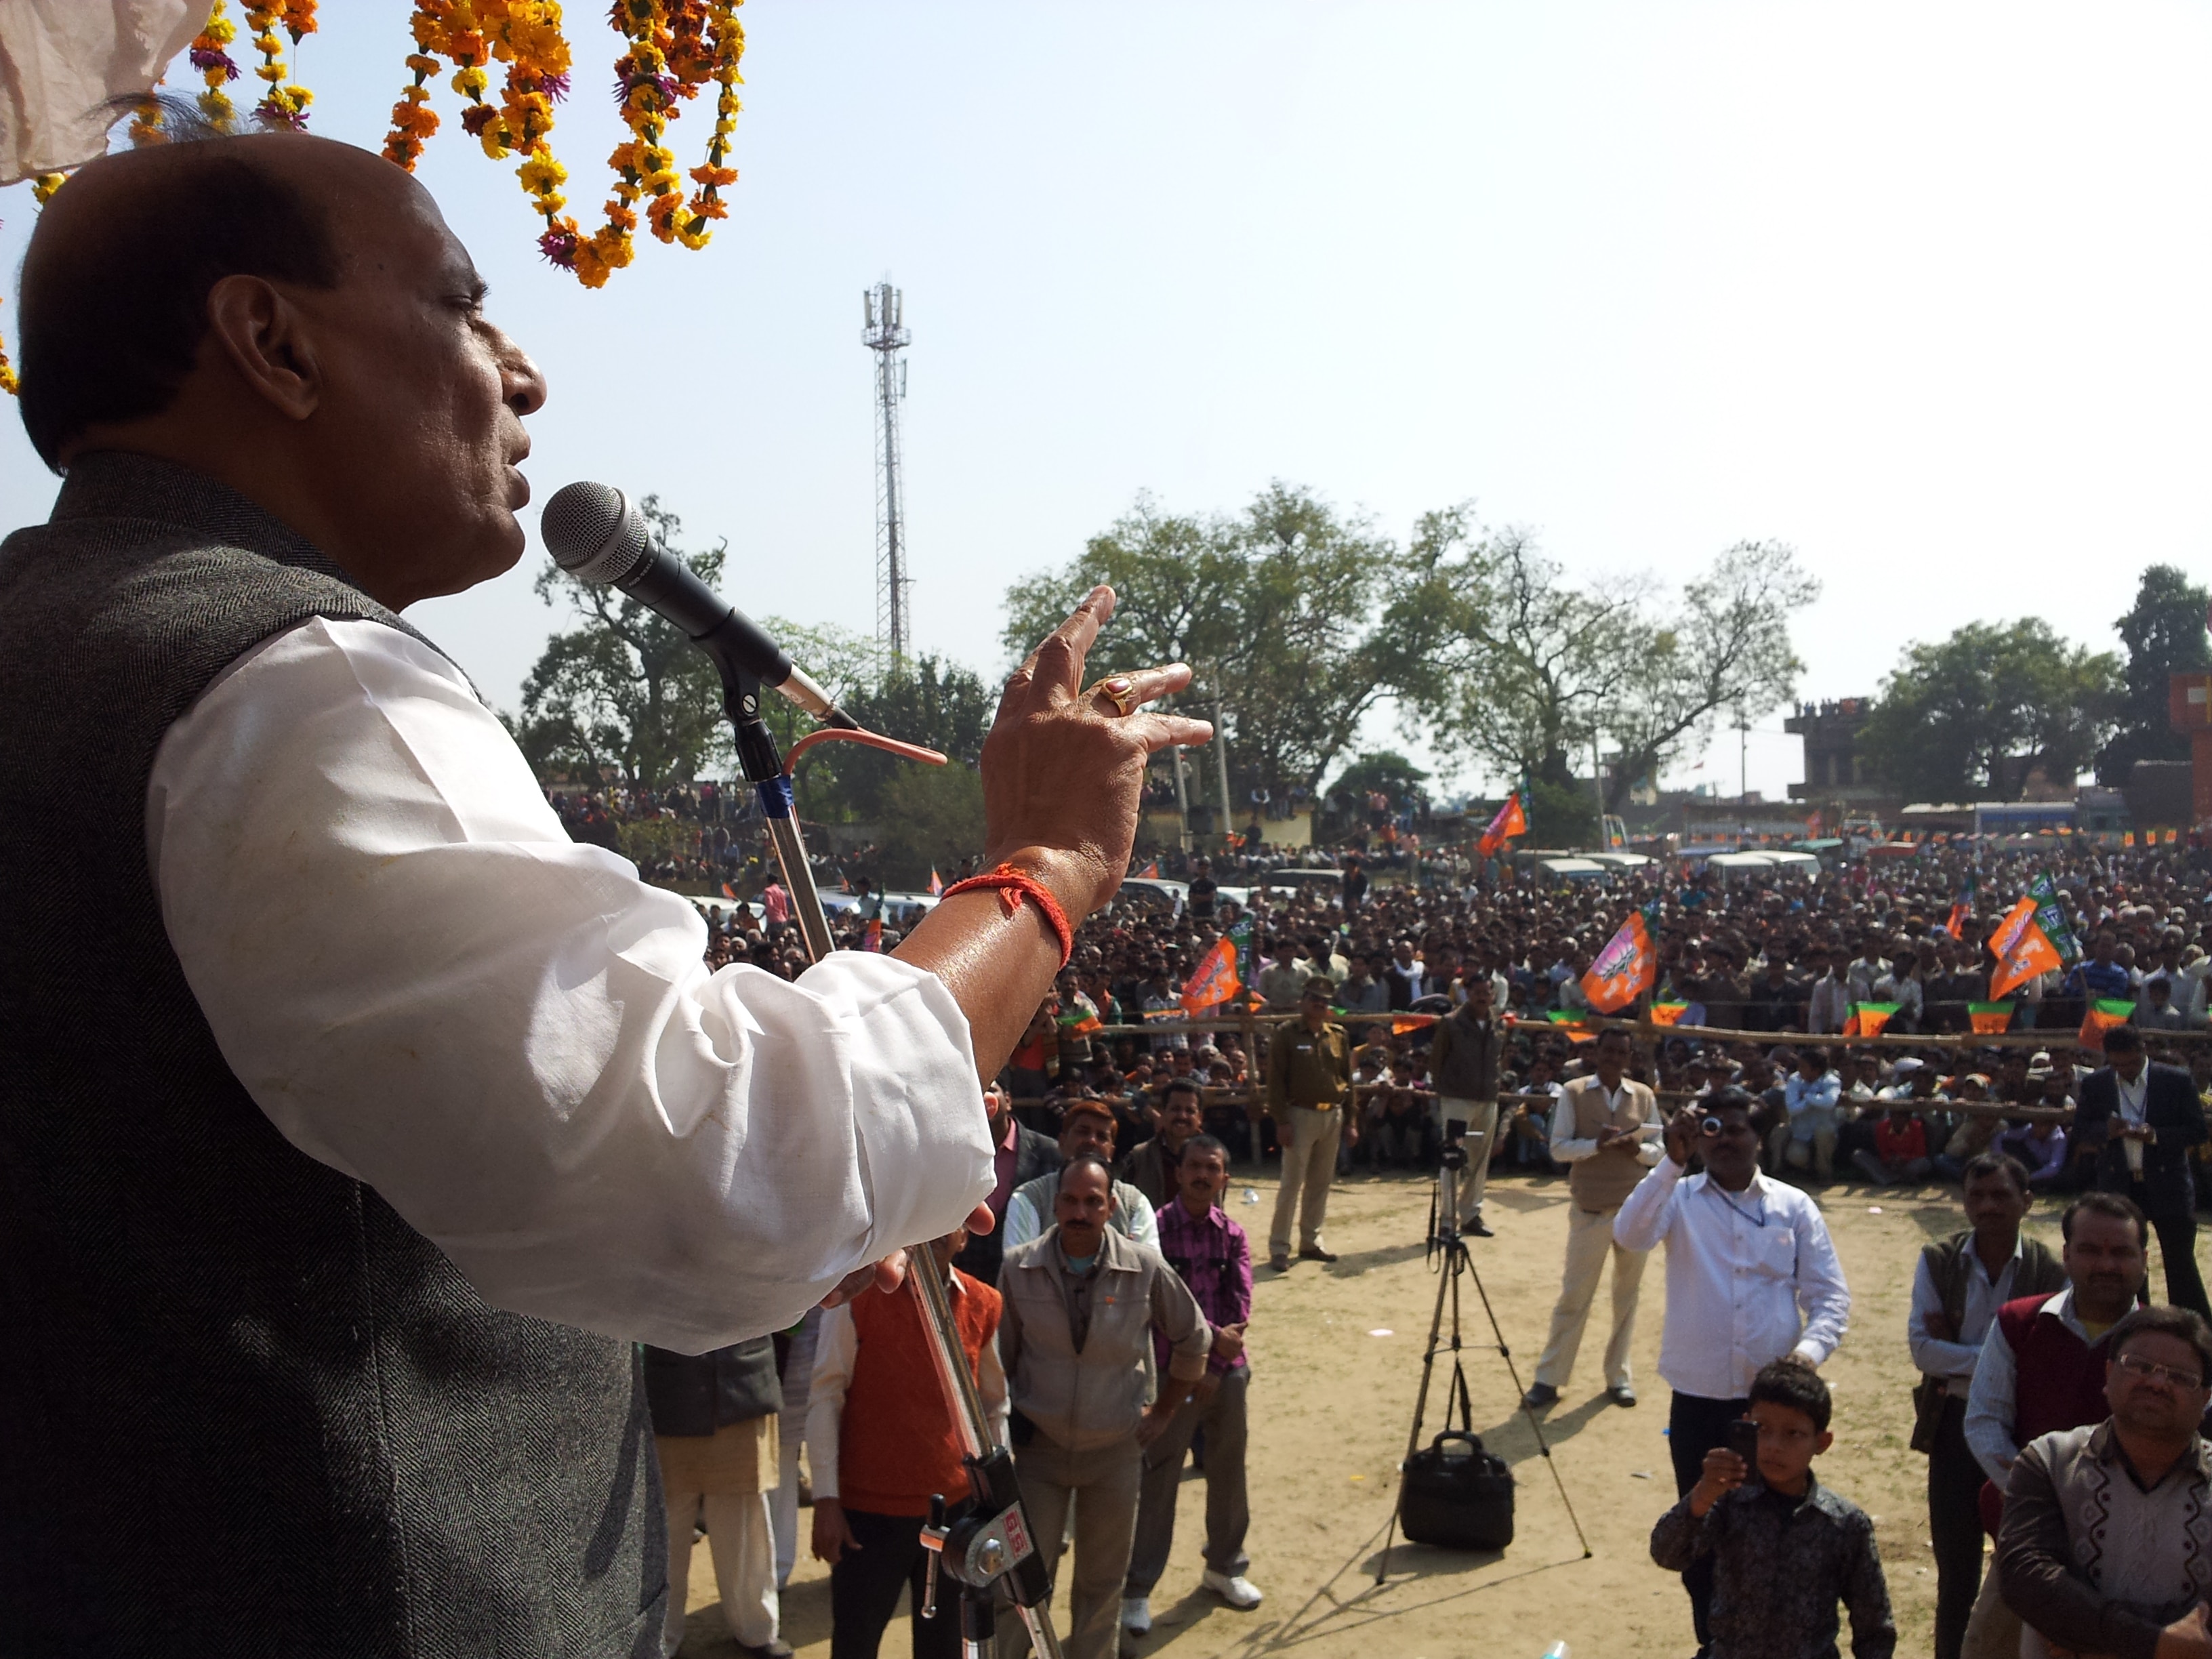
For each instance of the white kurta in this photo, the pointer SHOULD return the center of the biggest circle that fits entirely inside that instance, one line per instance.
(426, 985)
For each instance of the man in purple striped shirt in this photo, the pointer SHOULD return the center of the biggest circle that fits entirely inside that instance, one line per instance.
(1214, 1258)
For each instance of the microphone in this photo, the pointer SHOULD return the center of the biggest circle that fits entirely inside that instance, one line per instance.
(596, 533)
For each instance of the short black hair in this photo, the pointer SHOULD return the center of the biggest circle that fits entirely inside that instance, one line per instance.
(112, 324)
(1203, 1145)
(1732, 1099)
(2182, 1324)
(1990, 1163)
(2123, 1039)
(2111, 1204)
(1797, 1386)
(1182, 1085)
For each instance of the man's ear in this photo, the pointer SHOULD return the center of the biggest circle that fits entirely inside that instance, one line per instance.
(1827, 1439)
(265, 339)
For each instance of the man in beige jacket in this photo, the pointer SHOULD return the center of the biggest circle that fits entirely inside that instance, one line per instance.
(1607, 1131)
(1080, 1306)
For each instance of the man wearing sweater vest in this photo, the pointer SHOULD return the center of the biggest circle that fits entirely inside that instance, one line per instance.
(2104, 1549)
(1606, 1130)
(1080, 1305)
(1957, 1290)
(2042, 1369)
(884, 1443)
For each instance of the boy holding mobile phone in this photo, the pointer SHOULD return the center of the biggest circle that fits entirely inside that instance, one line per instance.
(1785, 1549)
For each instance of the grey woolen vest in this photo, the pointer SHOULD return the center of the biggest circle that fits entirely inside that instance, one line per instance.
(245, 1409)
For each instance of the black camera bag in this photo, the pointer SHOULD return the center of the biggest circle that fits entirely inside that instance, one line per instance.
(1454, 1495)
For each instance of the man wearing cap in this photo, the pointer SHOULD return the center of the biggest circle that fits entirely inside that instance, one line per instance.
(1086, 1130)
(1309, 1086)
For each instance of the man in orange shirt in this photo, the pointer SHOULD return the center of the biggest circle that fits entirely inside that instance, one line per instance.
(881, 1436)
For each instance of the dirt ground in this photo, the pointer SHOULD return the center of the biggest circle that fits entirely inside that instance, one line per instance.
(1336, 1352)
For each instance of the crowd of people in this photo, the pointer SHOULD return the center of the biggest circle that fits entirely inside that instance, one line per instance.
(1391, 1013)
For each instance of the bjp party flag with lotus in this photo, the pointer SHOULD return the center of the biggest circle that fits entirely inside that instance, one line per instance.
(1627, 968)
(1215, 979)
(1510, 821)
(2021, 948)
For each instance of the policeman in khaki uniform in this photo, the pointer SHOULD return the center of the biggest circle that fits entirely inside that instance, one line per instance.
(1308, 1089)
(1606, 1130)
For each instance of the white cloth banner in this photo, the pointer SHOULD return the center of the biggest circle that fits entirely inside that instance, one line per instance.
(61, 60)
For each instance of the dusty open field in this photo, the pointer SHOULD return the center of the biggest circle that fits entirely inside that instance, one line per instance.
(1336, 1355)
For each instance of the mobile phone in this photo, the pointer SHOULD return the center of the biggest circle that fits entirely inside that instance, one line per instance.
(1743, 1441)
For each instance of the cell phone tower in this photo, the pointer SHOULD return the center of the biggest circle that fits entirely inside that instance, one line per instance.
(886, 336)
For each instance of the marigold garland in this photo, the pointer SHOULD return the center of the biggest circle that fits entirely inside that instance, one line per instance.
(676, 47)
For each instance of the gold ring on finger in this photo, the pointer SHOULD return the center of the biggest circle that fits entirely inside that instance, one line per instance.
(1118, 691)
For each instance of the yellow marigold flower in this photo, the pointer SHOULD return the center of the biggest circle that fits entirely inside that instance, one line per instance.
(43, 186)
(541, 172)
(471, 83)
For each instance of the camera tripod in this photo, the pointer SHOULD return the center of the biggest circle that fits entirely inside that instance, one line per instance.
(1444, 1240)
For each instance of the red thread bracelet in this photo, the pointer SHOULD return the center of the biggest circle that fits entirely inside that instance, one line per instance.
(1012, 886)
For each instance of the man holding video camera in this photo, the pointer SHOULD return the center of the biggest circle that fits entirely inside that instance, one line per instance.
(1751, 1277)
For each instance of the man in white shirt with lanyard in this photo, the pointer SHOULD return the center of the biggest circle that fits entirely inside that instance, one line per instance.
(1751, 1277)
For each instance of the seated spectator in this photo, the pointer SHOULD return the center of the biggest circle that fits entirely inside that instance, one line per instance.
(1807, 1137)
(2041, 1148)
(2102, 1548)
(1901, 1148)
(1785, 1549)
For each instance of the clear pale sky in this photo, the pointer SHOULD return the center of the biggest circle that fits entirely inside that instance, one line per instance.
(1921, 290)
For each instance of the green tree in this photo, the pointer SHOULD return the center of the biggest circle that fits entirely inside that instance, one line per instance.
(1505, 662)
(939, 705)
(1726, 647)
(623, 692)
(1977, 712)
(2165, 634)
(933, 817)
(1385, 769)
(1275, 609)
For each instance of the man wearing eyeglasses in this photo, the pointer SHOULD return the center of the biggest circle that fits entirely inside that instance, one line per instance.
(1751, 1277)
(2042, 1370)
(2102, 1545)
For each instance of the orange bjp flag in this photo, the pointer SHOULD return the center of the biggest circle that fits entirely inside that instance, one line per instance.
(1625, 969)
(1214, 980)
(1151, 871)
(1510, 821)
(2021, 948)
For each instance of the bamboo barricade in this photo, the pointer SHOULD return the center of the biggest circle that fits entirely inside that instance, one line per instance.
(1253, 1099)
(1249, 1024)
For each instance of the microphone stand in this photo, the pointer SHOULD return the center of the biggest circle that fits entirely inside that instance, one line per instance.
(991, 1543)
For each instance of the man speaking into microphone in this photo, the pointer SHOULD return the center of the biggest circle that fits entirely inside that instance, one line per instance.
(355, 1123)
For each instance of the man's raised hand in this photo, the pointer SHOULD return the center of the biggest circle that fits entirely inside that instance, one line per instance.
(1064, 767)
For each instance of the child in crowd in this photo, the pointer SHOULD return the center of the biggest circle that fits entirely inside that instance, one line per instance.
(1785, 1549)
